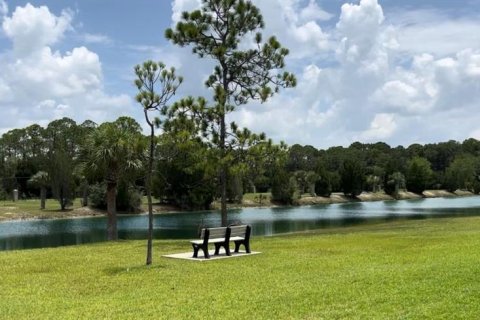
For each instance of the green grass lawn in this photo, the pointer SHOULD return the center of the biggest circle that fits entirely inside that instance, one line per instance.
(31, 208)
(422, 269)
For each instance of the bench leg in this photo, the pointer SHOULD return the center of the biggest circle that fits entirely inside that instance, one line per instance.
(205, 252)
(237, 246)
(245, 244)
(225, 246)
(195, 251)
(204, 249)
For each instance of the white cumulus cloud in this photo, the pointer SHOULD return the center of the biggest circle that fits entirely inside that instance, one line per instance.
(376, 73)
(380, 89)
(31, 28)
(39, 84)
(382, 127)
(3, 8)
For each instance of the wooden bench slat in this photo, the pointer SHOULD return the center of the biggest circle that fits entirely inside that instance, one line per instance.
(215, 233)
(238, 230)
(218, 234)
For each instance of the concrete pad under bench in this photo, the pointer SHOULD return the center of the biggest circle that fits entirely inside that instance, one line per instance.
(221, 255)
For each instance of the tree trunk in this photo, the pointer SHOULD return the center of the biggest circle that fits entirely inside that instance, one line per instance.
(223, 134)
(112, 211)
(85, 195)
(223, 172)
(43, 195)
(62, 198)
(148, 188)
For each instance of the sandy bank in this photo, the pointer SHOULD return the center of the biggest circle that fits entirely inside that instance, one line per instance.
(382, 196)
(162, 209)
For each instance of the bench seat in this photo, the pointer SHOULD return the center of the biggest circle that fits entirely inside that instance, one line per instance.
(209, 240)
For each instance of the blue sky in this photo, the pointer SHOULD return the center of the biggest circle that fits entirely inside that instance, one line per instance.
(396, 71)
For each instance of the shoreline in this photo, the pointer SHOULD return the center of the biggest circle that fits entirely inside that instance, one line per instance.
(304, 201)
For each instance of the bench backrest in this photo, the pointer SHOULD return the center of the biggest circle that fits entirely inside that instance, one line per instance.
(214, 233)
(226, 232)
(238, 231)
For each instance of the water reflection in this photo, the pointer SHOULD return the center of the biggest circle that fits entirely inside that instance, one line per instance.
(265, 221)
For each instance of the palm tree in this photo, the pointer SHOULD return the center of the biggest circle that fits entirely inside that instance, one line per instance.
(41, 180)
(111, 151)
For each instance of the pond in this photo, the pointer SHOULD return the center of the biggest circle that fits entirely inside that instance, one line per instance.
(264, 221)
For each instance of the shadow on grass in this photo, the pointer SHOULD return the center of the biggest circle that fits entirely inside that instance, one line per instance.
(133, 269)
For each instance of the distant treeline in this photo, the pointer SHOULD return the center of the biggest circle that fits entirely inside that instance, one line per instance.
(60, 161)
(379, 167)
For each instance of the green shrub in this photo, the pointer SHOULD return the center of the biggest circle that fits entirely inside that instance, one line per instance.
(128, 198)
(97, 196)
(284, 188)
(323, 187)
(352, 175)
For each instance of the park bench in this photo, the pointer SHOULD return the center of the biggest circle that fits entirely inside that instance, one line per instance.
(221, 237)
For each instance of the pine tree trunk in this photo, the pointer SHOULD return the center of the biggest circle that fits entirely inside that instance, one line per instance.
(223, 134)
(223, 173)
(148, 188)
(43, 195)
(111, 211)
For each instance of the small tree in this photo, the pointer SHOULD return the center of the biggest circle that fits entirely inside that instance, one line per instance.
(395, 183)
(184, 175)
(353, 177)
(61, 178)
(284, 187)
(323, 187)
(41, 180)
(418, 174)
(61, 141)
(156, 85)
(462, 173)
(310, 179)
(217, 31)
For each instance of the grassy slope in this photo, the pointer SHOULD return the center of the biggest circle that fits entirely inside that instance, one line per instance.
(401, 270)
(31, 208)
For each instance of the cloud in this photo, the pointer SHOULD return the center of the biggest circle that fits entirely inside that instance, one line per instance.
(296, 25)
(377, 87)
(313, 12)
(433, 85)
(38, 84)
(3, 8)
(180, 6)
(382, 127)
(32, 28)
(434, 32)
(97, 38)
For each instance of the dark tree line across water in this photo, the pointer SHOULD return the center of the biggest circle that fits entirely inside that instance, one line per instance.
(61, 161)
